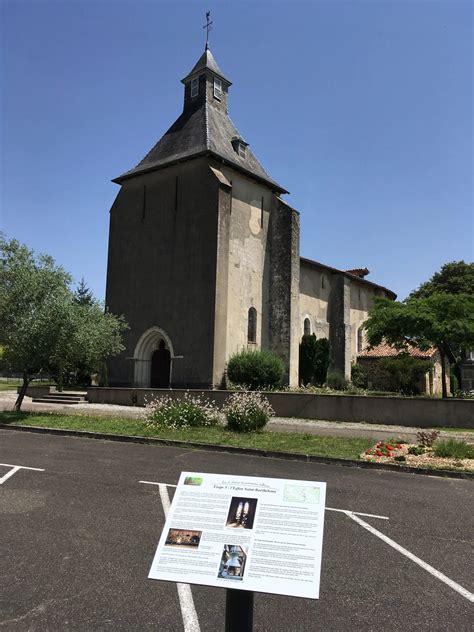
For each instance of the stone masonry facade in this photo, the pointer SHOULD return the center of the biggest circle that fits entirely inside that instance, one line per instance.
(201, 243)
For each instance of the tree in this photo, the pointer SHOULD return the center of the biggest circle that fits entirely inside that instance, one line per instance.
(307, 355)
(456, 277)
(439, 321)
(42, 328)
(313, 360)
(83, 295)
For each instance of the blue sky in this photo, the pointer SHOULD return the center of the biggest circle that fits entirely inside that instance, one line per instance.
(362, 110)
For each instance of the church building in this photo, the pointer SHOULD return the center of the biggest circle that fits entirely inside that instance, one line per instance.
(204, 257)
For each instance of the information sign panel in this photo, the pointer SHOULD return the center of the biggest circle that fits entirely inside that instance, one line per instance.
(244, 532)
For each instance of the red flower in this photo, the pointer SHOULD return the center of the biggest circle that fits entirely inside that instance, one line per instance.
(378, 453)
(399, 445)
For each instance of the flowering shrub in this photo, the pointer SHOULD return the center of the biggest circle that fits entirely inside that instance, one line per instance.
(247, 412)
(191, 411)
(384, 449)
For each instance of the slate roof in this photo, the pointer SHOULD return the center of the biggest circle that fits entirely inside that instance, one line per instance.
(206, 61)
(206, 130)
(384, 350)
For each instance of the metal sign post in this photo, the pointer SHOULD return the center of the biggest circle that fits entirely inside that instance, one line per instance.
(238, 610)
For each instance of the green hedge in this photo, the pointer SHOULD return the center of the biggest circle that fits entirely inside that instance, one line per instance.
(255, 370)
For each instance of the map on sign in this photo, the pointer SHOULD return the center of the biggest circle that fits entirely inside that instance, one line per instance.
(244, 532)
(299, 494)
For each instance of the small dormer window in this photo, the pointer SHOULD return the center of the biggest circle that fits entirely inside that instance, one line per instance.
(217, 88)
(240, 146)
(194, 87)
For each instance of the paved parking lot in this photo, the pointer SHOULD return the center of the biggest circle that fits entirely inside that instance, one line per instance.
(79, 533)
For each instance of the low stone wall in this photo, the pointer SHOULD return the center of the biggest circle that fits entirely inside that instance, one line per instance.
(37, 391)
(402, 411)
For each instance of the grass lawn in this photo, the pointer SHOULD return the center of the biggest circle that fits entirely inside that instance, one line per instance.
(458, 430)
(344, 448)
(11, 385)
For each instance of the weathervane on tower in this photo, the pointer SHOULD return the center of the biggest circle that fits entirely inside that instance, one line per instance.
(208, 27)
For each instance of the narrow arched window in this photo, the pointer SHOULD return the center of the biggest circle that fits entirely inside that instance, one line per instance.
(306, 327)
(252, 326)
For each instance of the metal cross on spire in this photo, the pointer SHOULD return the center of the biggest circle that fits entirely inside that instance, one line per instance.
(208, 27)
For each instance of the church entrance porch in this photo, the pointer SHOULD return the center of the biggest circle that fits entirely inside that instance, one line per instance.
(153, 360)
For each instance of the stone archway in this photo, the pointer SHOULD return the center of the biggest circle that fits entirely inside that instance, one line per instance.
(153, 358)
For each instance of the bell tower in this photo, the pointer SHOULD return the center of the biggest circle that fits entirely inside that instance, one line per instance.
(199, 239)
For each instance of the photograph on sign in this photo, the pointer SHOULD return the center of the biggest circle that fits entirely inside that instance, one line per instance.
(241, 513)
(233, 560)
(245, 532)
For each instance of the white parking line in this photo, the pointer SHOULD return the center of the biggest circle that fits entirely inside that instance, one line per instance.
(14, 469)
(449, 582)
(188, 610)
(344, 511)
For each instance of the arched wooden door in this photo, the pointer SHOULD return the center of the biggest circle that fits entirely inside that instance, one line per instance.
(160, 367)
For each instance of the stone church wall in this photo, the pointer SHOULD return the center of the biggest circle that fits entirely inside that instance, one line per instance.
(361, 301)
(336, 305)
(284, 286)
(162, 267)
(247, 264)
(315, 289)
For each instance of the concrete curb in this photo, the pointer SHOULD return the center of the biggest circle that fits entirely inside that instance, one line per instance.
(307, 458)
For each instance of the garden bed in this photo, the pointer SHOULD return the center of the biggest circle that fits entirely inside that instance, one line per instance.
(426, 457)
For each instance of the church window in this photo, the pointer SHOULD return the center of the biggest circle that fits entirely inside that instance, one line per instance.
(217, 88)
(261, 212)
(194, 87)
(252, 326)
(240, 146)
(307, 327)
(322, 281)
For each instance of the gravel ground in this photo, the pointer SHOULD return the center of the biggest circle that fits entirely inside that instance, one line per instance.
(280, 424)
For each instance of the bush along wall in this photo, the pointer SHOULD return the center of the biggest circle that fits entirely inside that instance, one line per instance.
(313, 360)
(255, 370)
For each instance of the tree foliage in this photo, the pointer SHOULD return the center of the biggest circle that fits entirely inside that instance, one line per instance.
(42, 327)
(83, 295)
(255, 369)
(313, 360)
(406, 372)
(440, 320)
(456, 277)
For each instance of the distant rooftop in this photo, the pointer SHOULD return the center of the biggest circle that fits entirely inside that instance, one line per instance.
(385, 350)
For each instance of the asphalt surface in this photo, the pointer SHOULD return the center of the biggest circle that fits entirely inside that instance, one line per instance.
(77, 541)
